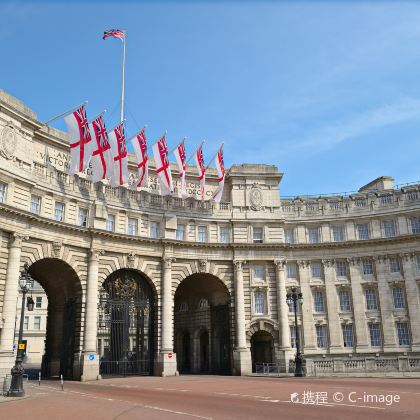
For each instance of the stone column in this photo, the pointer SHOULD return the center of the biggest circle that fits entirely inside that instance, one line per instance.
(385, 302)
(413, 301)
(282, 308)
(357, 293)
(308, 323)
(10, 300)
(90, 358)
(242, 354)
(332, 307)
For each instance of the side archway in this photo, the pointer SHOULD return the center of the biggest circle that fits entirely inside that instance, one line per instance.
(262, 348)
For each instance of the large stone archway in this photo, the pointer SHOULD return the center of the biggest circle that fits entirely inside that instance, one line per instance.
(203, 325)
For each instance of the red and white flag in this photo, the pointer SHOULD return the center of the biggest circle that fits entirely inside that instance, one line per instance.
(181, 160)
(163, 168)
(220, 168)
(101, 160)
(199, 161)
(81, 143)
(116, 137)
(116, 33)
(140, 148)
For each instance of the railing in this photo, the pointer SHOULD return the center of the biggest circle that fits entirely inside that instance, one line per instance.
(125, 367)
(270, 368)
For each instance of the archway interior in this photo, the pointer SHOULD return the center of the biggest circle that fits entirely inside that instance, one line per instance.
(125, 325)
(63, 333)
(202, 325)
(262, 349)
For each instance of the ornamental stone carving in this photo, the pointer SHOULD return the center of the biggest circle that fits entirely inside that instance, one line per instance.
(130, 260)
(202, 266)
(239, 264)
(256, 197)
(8, 142)
(56, 249)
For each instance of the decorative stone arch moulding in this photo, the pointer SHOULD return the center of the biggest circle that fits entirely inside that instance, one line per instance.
(263, 324)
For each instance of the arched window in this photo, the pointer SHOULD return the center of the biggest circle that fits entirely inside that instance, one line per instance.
(183, 307)
(203, 303)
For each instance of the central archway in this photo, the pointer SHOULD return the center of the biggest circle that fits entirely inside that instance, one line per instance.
(203, 325)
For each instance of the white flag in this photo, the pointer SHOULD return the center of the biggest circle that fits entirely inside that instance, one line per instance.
(199, 161)
(140, 148)
(220, 168)
(116, 137)
(182, 166)
(163, 168)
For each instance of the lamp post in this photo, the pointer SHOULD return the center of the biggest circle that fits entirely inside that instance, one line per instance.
(296, 298)
(25, 282)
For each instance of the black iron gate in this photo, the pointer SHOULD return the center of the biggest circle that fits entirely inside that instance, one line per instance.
(220, 338)
(125, 325)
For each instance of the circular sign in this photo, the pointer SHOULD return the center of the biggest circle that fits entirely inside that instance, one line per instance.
(8, 142)
(91, 356)
(169, 355)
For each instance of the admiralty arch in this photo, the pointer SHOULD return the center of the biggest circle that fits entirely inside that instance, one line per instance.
(138, 283)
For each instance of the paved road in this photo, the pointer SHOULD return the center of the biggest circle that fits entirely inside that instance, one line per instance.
(212, 397)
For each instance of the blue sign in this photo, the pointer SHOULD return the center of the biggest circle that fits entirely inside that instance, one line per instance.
(91, 356)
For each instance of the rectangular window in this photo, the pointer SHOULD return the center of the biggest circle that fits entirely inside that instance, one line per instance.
(37, 322)
(257, 235)
(344, 300)
(259, 301)
(224, 235)
(293, 336)
(347, 335)
(258, 272)
(403, 333)
(367, 267)
(180, 232)
(132, 226)
(291, 271)
(2, 192)
(415, 225)
(38, 302)
(319, 305)
(82, 219)
(375, 335)
(363, 231)
(289, 235)
(394, 265)
(338, 233)
(26, 323)
(313, 235)
(316, 270)
(110, 223)
(59, 211)
(35, 204)
(321, 336)
(341, 269)
(371, 300)
(398, 297)
(202, 233)
(154, 230)
(389, 228)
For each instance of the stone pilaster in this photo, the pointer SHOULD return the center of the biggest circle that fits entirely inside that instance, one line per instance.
(282, 307)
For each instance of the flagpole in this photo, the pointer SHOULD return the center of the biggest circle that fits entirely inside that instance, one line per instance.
(195, 152)
(176, 147)
(64, 113)
(211, 160)
(101, 113)
(163, 135)
(123, 80)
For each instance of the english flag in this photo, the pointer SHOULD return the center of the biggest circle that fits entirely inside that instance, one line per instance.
(140, 148)
(199, 161)
(163, 168)
(220, 168)
(119, 175)
(182, 165)
(116, 33)
(101, 160)
(80, 140)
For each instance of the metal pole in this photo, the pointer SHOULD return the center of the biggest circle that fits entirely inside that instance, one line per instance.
(62, 382)
(211, 160)
(65, 113)
(39, 378)
(195, 152)
(298, 359)
(123, 82)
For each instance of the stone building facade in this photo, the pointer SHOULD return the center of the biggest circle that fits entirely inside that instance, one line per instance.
(205, 283)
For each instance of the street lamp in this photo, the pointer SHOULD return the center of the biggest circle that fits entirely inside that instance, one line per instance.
(26, 282)
(295, 298)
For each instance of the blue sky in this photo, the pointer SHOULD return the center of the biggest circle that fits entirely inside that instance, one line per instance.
(327, 91)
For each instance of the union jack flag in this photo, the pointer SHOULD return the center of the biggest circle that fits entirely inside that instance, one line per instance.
(140, 148)
(119, 153)
(116, 33)
(163, 169)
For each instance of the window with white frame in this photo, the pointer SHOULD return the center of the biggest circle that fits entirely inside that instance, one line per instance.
(347, 335)
(202, 234)
(132, 226)
(35, 204)
(344, 296)
(257, 235)
(3, 187)
(293, 336)
(338, 233)
(259, 302)
(341, 268)
(38, 302)
(313, 235)
(289, 236)
(398, 297)
(363, 231)
(26, 322)
(321, 336)
(291, 270)
(110, 223)
(375, 335)
(415, 225)
(367, 266)
(59, 211)
(82, 217)
(394, 265)
(316, 270)
(224, 234)
(154, 230)
(180, 232)
(389, 228)
(37, 322)
(403, 333)
(371, 299)
(319, 304)
(258, 273)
